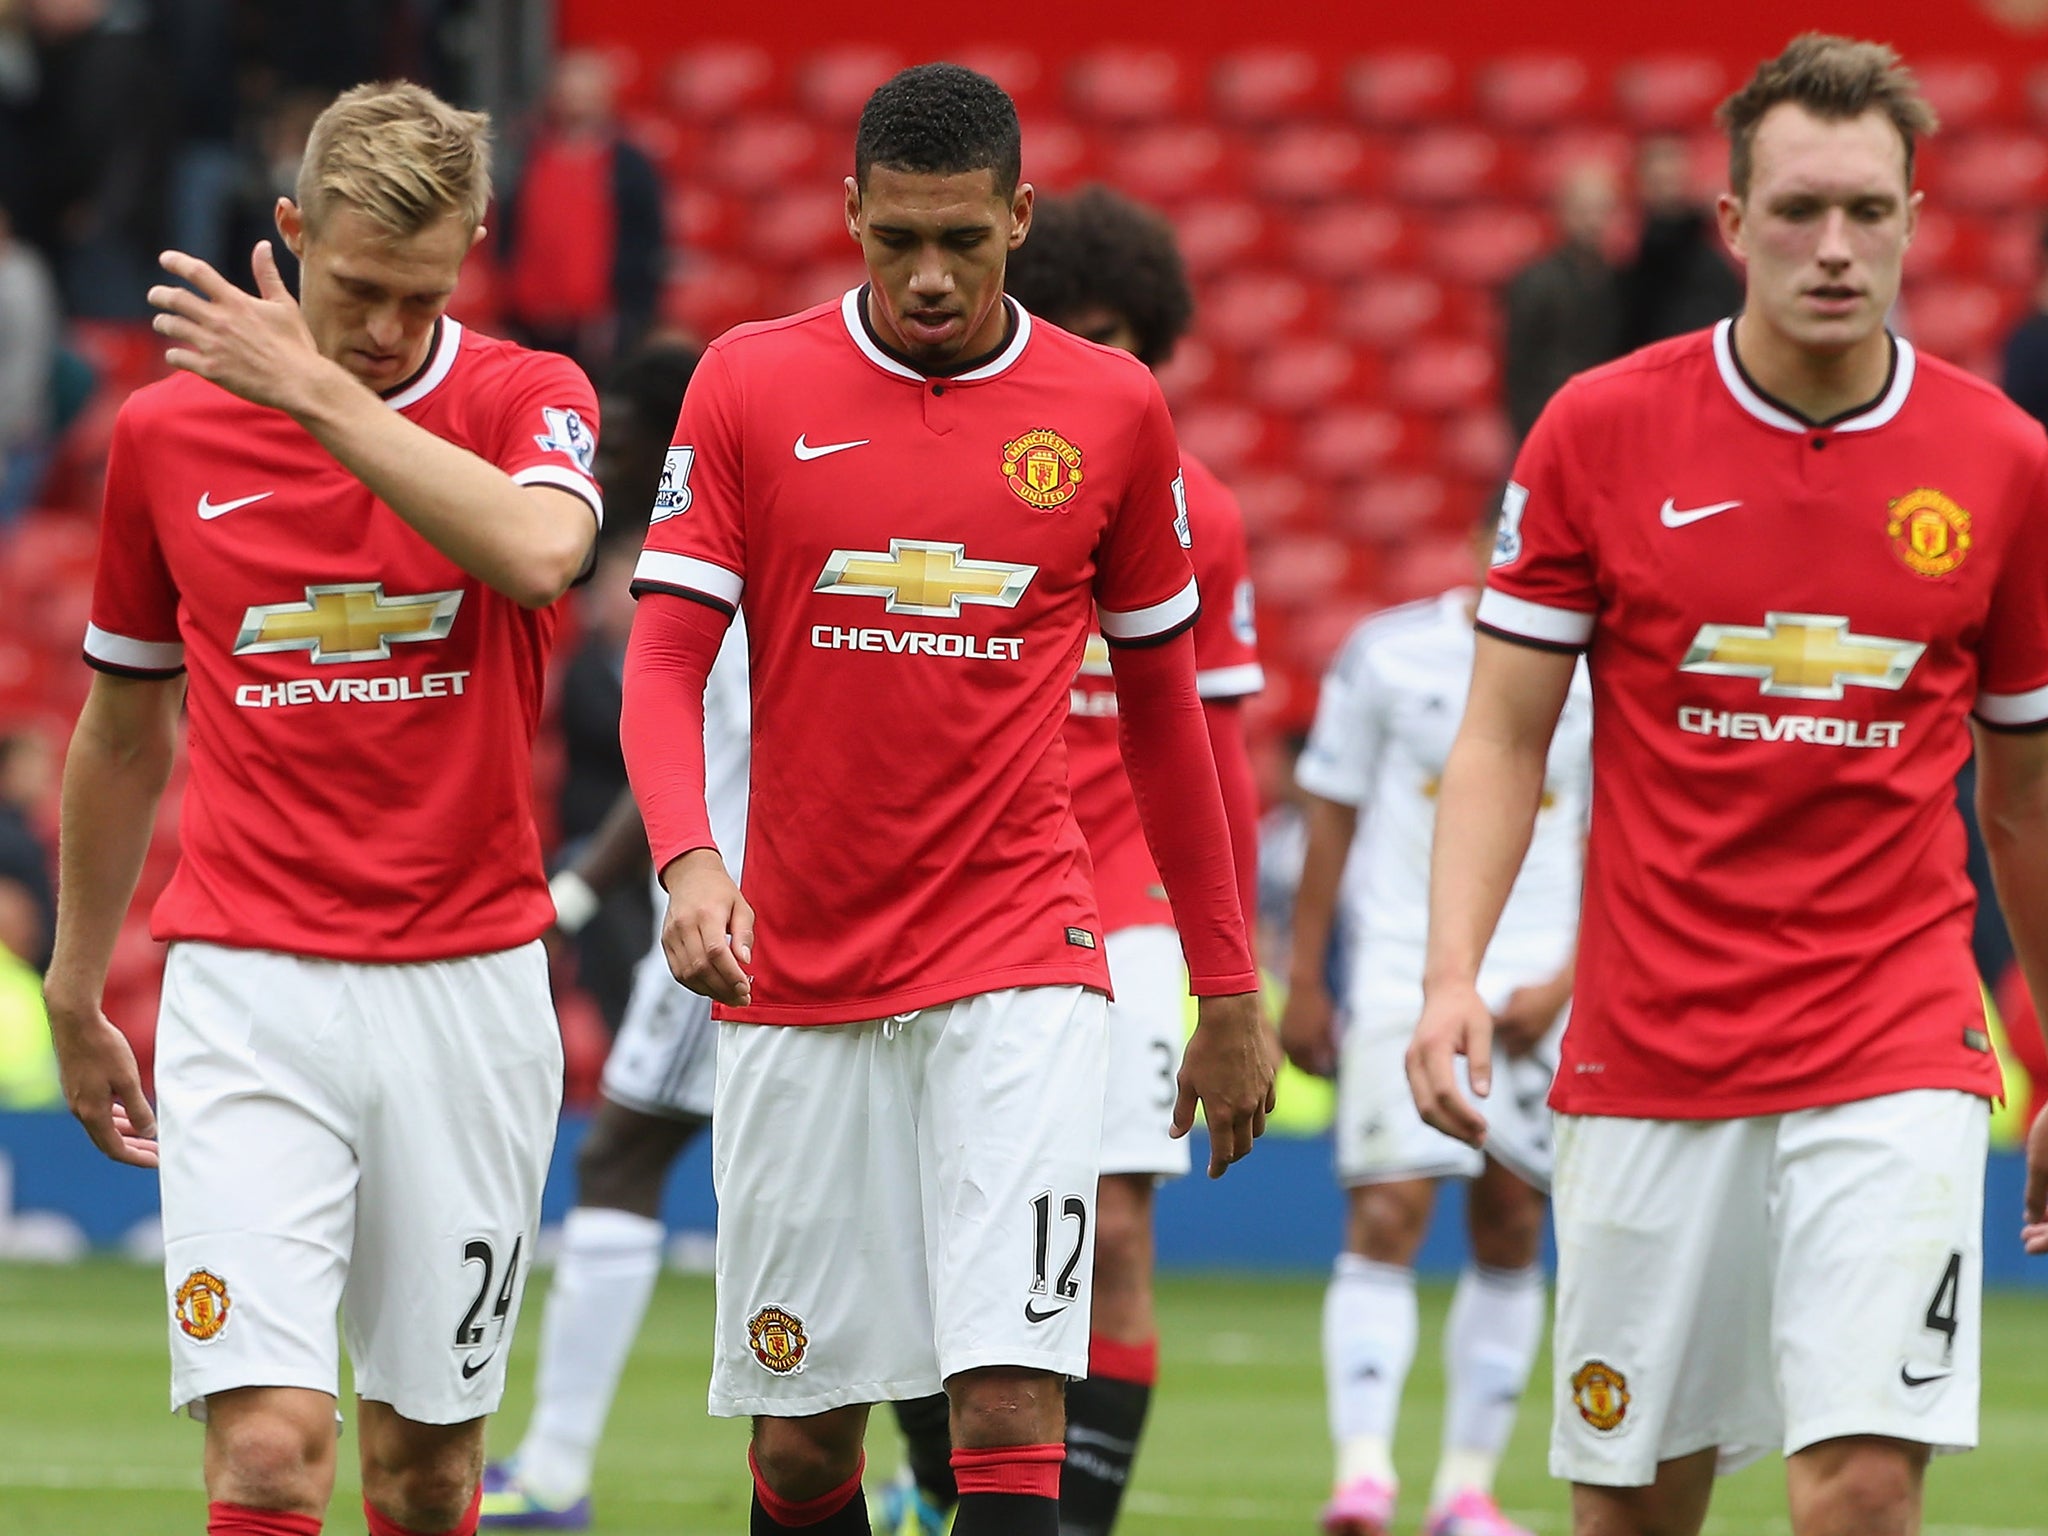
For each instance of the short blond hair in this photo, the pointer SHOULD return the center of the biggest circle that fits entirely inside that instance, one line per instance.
(1834, 78)
(399, 154)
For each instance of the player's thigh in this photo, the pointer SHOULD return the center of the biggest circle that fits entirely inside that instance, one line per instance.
(1878, 1306)
(823, 1297)
(256, 1071)
(470, 1088)
(665, 1059)
(1147, 1024)
(1662, 1346)
(1381, 1137)
(1010, 1132)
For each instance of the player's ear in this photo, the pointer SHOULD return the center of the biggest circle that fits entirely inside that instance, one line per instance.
(1913, 203)
(477, 237)
(1020, 213)
(1728, 210)
(853, 209)
(291, 226)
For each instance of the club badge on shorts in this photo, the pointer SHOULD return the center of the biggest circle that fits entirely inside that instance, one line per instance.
(1600, 1393)
(201, 1304)
(777, 1338)
(1043, 468)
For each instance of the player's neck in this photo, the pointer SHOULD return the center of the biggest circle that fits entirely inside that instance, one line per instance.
(1815, 386)
(994, 334)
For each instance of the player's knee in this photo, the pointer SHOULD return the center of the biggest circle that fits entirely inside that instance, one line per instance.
(1861, 1486)
(1006, 1405)
(623, 1162)
(425, 1493)
(801, 1459)
(1388, 1222)
(1123, 1238)
(270, 1458)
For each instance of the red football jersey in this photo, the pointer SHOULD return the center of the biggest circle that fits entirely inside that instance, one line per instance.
(361, 710)
(1788, 627)
(918, 558)
(1127, 885)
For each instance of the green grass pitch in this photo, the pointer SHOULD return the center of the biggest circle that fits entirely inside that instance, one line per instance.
(1236, 1446)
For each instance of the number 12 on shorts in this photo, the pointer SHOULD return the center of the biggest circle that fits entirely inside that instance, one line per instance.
(469, 1333)
(1072, 1210)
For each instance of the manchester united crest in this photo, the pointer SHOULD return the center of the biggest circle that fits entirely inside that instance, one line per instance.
(776, 1336)
(1930, 534)
(201, 1305)
(1600, 1393)
(1043, 468)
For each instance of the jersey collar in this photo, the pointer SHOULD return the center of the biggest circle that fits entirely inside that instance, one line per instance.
(440, 359)
(1864, 418)
(856, 327)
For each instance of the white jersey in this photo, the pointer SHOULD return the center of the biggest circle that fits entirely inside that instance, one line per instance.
(1390, 707)
(728, 757)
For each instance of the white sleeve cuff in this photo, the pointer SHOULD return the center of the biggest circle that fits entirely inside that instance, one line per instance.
(1141, 624)
(686, 573)
(2014, 709)
(1534, 621)
(120, 651)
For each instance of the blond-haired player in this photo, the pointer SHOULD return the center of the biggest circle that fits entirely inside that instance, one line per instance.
(335, 535)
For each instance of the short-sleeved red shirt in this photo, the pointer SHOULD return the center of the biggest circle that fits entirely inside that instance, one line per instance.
(362, 711)
(918, 559)
(1788, 627)
(1226, 667)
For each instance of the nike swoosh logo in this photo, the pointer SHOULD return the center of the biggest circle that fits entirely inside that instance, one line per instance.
(1671, 517)
(806, 452)
(1033, 1315)
(1906, 1375)
(209, 510)
(471, 1366)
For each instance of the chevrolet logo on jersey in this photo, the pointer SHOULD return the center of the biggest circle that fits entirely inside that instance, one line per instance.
(347, 621)
(1802, 655)
(931, 580)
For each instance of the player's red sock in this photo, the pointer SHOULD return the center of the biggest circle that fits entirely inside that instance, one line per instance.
(1010, 1490)
(384, 1525)
(241, 1520)
(1105, 1418)
(842, 1512)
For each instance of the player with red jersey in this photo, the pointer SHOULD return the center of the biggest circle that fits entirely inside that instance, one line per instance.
(345, 522)
(1801, 559)
(918, 494)
(1108, 269)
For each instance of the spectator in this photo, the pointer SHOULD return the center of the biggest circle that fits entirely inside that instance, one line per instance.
(579, 225)
(1564, 308)
(2026, 350)
(30, 324)
(25, 784)
(1680, 280)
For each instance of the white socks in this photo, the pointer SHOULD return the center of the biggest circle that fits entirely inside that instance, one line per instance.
(1491, 1337)
(603, 1279)
(1368, 1344)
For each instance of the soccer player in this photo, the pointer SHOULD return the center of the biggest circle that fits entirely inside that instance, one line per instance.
(346, 520)
(918, 494)
(1108, 269)
(1799, 556)
(1389, 708)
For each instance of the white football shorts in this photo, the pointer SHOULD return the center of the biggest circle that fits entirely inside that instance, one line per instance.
(1766, 1283)
(1147, 1025)
(665, 1058)
(904, 1199)
(364, 1138)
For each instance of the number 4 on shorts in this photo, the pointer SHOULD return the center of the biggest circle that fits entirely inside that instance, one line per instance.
(1941, 1311)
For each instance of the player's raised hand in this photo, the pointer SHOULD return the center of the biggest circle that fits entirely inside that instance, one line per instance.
(2034, 1235)
(1227, 1068)
(256, 346)
(101, 1083)
(708, 934)
(1454, 1023)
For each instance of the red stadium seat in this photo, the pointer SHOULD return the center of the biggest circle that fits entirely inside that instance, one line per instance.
(1171, 160)
(1534, 90)
(1390, 309)
(1450, 165)
(1956, 320)
(1194, 371)
(1554, 156)
(1425, 566)
(701, 218)
(1299, 570)
(2012, 249)
(1479, 445)
(1486, 245)
(1057, 154)
(712, 82)
(1670, 92)
(1442, 375)
(1018, 70)
(1266, 85)
(835, 83)
(755, 153)
(794, 228)
(1275, 499)
(1993, 170)
(1351, 441)
(1403, 87)
(661, 139)
(1392, 508)
(1247, 310)
(1302, 376)
(1228, 436)
(1347, 240)
(1219, 233)
(1316, 162)
(822, 282)
(1945, 244)
(1129, 85)
(1965, 93)
(712, 295)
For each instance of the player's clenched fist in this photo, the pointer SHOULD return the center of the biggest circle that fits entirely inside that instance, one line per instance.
(1229, 1070)
(708, 934)
(1454, 1023)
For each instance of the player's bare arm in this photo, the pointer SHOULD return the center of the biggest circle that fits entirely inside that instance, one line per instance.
(1492, 789)
(527, 542)
(1308, 1022)
(2012, 809)
(114, 774)
(1526, 1017)
(616, 850)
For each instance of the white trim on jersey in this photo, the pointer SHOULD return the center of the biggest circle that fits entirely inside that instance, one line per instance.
(138, 655)
(1888, 406)
(667, 570)
(1148, 623)
(849, 312)
(2013, 709)
(437, 370)
(564, 479)
(1231, 682)
(1534, 621)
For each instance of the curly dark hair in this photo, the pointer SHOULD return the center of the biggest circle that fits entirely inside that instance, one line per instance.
(940, 119)
(1100, 248)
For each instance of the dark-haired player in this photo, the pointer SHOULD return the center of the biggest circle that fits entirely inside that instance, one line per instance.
(1800, 557)
(1108, 269)
(911, 1054)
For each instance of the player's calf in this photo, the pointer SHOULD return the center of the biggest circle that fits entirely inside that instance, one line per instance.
(807, 1473)
(1008, 1425)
